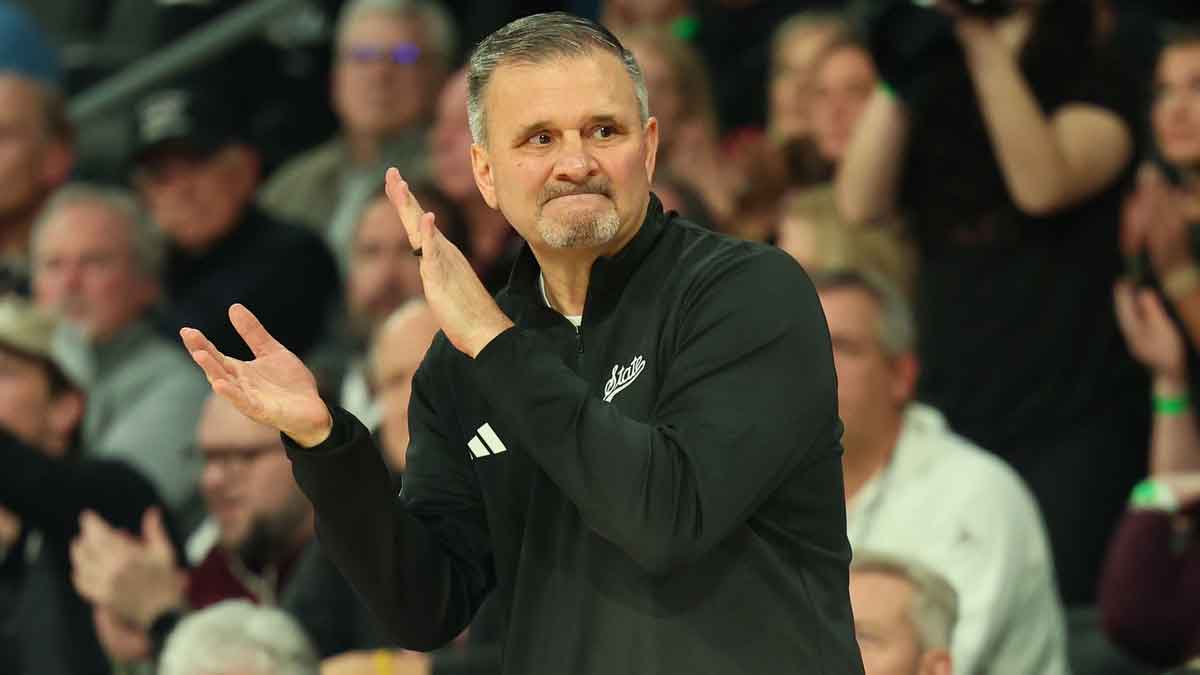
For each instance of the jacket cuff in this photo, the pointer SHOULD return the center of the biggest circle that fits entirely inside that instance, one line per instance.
(345, 430)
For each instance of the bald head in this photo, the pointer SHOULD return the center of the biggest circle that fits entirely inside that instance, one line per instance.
(400, 345)
(224, 426)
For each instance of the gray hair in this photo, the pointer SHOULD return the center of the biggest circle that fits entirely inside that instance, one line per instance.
(536, 39)
(145, 239)
(897, 328)
(934, 610)
(435, 20)
(236, 636)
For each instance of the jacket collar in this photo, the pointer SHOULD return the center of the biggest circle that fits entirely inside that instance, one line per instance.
(609, 274)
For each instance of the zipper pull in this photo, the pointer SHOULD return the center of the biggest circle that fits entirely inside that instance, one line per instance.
(579, 338)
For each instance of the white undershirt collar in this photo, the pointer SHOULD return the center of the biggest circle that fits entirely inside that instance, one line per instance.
(576, 320)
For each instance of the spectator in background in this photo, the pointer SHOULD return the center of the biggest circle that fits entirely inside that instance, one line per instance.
(744, 28)
(817, 100)
(843, 80)
(787, 148)
(235, 637)
(816, 235)
(794, 50)
(197, 178)
(96, 262)
(265, 552)
(904, 615)
(1152, 573)
(489, 243)
(382, 275)
(916, 489)
(681, 98)
(36, 140)
(398, 348)
(391, 59)
(1006, 148)
(1159, 232)
(45, 627)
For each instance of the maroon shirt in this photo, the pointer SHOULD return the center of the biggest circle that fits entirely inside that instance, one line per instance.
(214, 580)
(1150, 588)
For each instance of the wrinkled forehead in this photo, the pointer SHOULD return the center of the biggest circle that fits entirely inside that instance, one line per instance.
(559, 89)
(86, 223)
(375, 26)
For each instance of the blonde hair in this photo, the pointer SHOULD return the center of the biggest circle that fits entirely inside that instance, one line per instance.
(934, 607)
(880, 248)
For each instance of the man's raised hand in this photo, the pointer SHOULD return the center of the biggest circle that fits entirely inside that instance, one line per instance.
(468, 315)
(274, 388)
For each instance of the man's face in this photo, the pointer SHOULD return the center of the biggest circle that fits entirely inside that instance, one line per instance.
(844, 82)
(247, 480)
(32, 163)
(385, 77)
(84, 268)
(886, 635)
(567, 159)
(1176, 111)
(197, 199)
(450, 138)
(871, 384)
(791, 84)
(399, 348)
(383, 271)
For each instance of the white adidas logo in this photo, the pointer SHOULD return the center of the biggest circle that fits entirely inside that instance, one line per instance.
(623, 377)
(486, 442)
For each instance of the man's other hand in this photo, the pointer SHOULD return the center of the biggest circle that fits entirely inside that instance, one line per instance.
(274, 388)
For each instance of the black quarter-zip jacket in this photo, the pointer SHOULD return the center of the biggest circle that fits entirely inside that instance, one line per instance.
(657, 493)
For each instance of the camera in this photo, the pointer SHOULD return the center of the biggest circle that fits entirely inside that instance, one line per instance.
(988, 8)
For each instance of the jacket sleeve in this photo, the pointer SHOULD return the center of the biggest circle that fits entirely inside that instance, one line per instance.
(422, 563)
(49, 493)
(749, 394)
(1148, 590)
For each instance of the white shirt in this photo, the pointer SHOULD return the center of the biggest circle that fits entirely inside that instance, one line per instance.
(357, 398)
(947, 503)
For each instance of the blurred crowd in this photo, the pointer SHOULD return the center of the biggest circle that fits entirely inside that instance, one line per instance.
(998, 203)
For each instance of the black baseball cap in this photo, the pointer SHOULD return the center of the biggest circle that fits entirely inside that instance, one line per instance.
(191, 118)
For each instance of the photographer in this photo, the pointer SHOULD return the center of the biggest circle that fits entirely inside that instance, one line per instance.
(1002, 134)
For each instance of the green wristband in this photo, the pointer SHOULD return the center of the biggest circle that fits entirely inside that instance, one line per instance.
(1151, 494)
(1172, 405)
(685, 27)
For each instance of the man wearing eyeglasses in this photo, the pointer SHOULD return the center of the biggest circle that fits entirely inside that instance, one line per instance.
(391, 59)
(258, 546)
